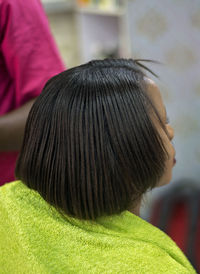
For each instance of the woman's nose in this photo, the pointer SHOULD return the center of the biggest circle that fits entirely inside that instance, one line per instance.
(170, 132)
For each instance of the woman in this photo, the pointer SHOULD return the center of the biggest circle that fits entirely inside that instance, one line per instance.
(96, 140)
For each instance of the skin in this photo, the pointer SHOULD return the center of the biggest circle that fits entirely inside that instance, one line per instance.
(155, 95)
(12, 127)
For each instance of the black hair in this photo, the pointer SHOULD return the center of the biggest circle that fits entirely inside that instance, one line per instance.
(91, 147)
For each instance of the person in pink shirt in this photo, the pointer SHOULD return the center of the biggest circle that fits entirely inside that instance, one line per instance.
(28, 58)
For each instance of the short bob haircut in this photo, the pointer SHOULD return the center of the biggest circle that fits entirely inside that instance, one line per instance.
(91, 147)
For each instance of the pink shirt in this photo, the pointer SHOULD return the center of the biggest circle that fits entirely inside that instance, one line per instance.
(28, 58)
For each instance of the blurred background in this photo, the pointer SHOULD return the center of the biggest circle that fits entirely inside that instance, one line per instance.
(167, 31)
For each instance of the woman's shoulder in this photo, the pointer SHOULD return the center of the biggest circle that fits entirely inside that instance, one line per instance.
(10, 189)
(147, 245)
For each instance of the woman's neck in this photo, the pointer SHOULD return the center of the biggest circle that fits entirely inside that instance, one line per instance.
(136, 209)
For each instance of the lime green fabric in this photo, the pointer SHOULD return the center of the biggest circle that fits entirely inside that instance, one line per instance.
(35, 238)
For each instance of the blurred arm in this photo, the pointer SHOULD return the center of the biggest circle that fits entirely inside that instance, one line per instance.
(12, 127)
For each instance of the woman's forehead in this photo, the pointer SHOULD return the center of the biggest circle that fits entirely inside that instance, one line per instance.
(154, 94)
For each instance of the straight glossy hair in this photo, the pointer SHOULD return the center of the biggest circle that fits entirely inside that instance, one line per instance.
(91, 147)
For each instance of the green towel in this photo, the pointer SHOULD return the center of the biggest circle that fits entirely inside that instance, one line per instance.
(36, 238)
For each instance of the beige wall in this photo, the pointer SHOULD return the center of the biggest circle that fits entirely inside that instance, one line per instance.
(63, 28)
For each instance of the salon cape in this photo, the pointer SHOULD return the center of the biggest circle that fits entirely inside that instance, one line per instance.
(36, 238)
